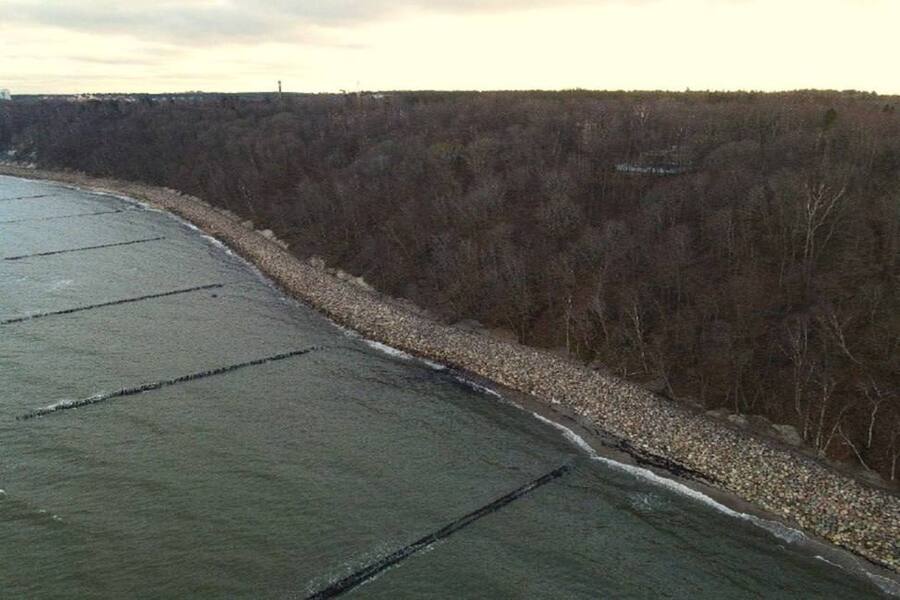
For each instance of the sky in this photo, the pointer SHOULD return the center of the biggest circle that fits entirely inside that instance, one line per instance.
(90, 46)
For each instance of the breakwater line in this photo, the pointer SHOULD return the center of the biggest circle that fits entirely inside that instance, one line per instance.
(157, 385)
(58, 217)
(369, 571)
(85, 248)
(798, 489)
(34, 197)
(69, 311)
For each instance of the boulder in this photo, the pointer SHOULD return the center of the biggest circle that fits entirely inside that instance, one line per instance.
(739, 420)
(871, 477)
(657, 385)
(360, 282)
(316, 262)
(470, 325)
(504, 335)
(788, 434)
(760, 424)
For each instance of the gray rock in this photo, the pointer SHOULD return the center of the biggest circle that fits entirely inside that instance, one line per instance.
(861, 518)
(760, 424)
(788, 434)
(360, 282)
(316, 263)
(657, 385)
(469, 325)
(871, 476)
(504, 335)
(739, 420)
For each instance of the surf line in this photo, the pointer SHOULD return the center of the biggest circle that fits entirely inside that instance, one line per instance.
(69, 311)
(55, 252)
(57, 217)
(368, 572)
(156, 385)
(35, 197)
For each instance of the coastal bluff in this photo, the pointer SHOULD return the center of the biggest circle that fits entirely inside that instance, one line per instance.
(792, 486)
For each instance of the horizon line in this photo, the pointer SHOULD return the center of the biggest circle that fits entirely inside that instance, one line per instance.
(340, 92)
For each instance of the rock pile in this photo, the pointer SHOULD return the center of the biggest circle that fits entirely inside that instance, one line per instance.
(803, 491)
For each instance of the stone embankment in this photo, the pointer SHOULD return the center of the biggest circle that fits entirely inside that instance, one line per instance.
(802, 491)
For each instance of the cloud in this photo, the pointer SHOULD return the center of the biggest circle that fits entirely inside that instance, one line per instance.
(199, 22)
(330, 11)
(184, 21)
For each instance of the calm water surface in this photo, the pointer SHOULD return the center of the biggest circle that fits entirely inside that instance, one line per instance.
(275, 480)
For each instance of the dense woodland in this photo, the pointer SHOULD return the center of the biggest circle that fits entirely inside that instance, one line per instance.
(763, 280)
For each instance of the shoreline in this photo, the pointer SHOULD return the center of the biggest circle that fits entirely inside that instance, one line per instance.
(601, 446)
(781, 484)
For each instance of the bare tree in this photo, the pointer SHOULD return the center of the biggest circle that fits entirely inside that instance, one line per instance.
(818, 210)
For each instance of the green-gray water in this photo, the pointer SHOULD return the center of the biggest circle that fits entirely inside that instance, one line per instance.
(280, 478)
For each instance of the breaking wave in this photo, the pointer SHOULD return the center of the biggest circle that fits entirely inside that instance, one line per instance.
(779, 530)
(783, 532)
(391, 351)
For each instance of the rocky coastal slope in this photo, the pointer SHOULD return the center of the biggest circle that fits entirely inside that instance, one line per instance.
(802, 491)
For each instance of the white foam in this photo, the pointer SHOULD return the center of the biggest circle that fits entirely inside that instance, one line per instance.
(478, 387)
(63, 404)
(780, 531)
(350, 333)
(215, 242)
(889, 586)
(62, 283)
(647, 502)
(146, 206)
(108, 194)
(825, 560)
(570, 435)
(58, 405)
(432, 364)
(391, 351)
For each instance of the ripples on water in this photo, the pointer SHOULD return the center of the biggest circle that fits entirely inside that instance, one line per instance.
(278, 479)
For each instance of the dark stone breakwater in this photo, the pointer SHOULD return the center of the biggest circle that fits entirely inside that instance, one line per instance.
(77, 309)
(57, 218)
(369, 571)
(158, 385)
(32, 197)
(84, 249)
(795, 488)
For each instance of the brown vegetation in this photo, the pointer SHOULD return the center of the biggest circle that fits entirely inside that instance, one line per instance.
(763, 279)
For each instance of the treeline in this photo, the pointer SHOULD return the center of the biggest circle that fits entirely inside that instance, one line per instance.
(764, 279)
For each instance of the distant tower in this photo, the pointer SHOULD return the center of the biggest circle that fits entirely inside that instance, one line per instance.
(279, 89)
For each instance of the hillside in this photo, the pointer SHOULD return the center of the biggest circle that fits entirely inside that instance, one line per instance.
(732, 250)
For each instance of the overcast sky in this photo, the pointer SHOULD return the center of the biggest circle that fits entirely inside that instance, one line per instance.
(329, 45)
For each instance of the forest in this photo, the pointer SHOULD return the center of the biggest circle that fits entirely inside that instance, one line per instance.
(729, 250)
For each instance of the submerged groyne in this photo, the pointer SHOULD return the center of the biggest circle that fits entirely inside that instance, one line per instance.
(786, 483)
